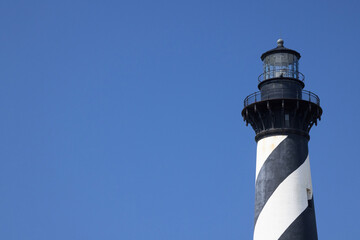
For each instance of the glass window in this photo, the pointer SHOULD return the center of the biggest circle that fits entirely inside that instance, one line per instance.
(281, 65)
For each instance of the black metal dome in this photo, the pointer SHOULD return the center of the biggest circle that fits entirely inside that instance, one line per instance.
(280, 49)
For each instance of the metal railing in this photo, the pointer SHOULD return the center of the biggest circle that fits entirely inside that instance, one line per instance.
(281, 73)
(303, 95)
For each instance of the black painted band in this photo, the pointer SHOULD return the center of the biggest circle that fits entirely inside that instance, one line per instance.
(304, 226)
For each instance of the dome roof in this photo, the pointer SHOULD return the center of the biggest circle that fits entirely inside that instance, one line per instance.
(280, 49)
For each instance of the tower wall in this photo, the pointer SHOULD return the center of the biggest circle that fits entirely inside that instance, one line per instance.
(284, 207)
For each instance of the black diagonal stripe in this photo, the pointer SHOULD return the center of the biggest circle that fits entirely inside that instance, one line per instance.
(304, 226)
(290, 154)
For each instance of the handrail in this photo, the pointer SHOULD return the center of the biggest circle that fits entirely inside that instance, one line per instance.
(304, 95)
(281, 73)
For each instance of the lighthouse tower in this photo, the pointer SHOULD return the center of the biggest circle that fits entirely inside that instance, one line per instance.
(282, 114)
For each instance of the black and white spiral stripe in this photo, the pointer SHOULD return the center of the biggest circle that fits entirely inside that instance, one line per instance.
(284, 206)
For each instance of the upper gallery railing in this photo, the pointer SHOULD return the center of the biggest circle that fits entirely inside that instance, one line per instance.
(303, 95)
(281, 73)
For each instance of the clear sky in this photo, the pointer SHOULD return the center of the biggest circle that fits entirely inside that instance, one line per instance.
(122, 119)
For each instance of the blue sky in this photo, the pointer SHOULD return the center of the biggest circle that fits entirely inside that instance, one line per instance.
(122, 119)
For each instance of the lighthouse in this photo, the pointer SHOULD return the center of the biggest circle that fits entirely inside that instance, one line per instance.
(282, 114)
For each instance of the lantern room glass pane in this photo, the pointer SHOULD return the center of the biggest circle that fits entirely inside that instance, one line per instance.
(281, 65)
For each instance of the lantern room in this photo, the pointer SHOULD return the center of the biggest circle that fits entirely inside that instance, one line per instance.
(280, 62)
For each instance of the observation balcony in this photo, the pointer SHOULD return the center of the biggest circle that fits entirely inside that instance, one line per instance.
(301, 95)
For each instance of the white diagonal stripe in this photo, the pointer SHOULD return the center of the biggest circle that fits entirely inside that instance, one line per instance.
(288, 201)
(265, 147)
